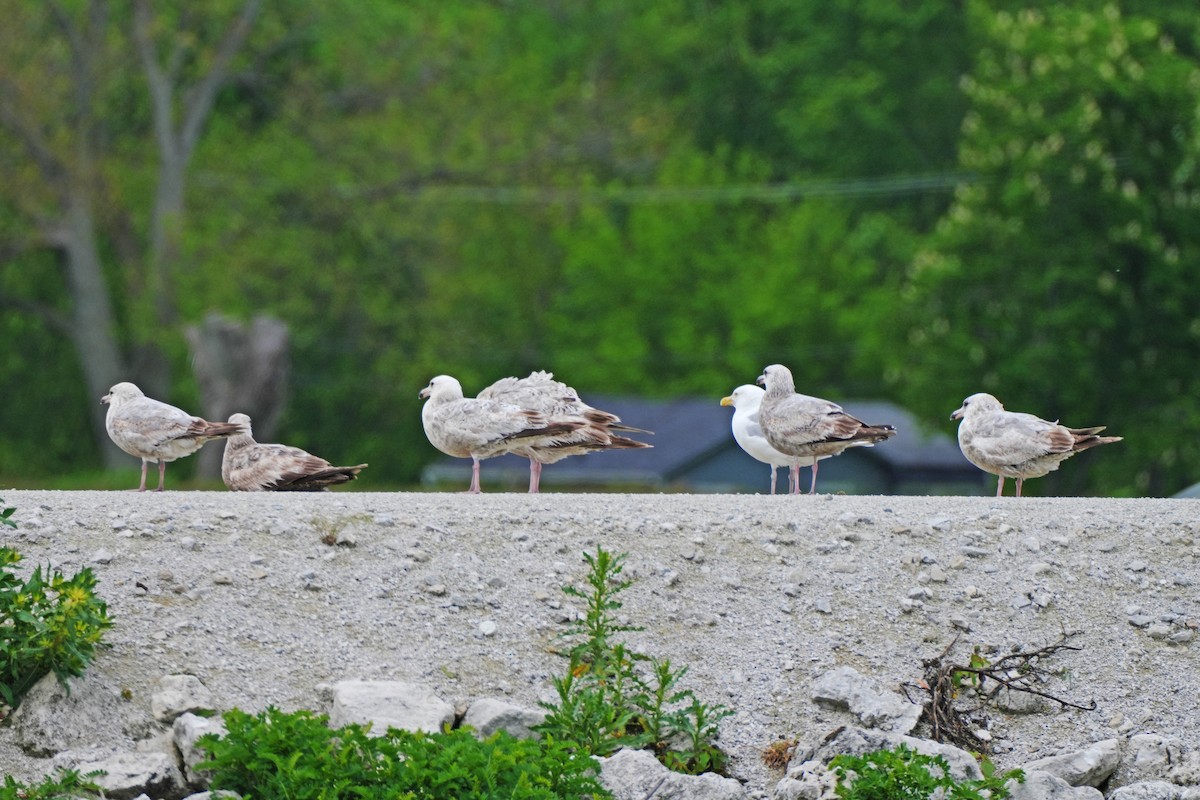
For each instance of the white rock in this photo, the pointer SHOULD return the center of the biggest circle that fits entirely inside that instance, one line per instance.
(488, 715)
(389, 704)
(1040, 785)
(845, 688)
(637, 775)
(127, 775)
(1148, 790)
(1088, 767)
(178, 694)
(186, 729)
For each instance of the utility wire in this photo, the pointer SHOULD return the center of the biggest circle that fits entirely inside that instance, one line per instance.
(665, 195)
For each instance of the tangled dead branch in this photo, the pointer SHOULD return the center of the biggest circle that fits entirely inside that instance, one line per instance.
(945, 682)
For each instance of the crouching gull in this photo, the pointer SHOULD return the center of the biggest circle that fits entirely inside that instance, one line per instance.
(560, 403)
(155, 431)
(1010, 444)
(470, 427)
(248, 466)
(809, 427)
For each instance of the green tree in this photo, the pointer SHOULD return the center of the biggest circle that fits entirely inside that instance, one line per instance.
(1060, 279)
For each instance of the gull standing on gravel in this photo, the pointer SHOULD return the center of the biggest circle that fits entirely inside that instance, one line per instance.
(155, 431)
(748, 433)
(248, 466)
(470, 427)
(1015, 445)
(560, 403)
(809, 427)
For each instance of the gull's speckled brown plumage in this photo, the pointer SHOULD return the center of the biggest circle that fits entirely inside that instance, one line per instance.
(809, 427)
(155, 431)
(469, 427)
(559, 402)
(248, 466)
(1011, 444)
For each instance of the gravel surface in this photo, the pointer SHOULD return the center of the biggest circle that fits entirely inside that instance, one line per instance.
(758, 595)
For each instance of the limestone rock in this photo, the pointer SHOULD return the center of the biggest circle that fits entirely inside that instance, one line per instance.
(811, 780)
(1089, 767)
(488, 715)
(50, 721)
(846, 688)
(128, 775)
(186, 730)
(637, 774)
(1148, 756)
(859, 741)
(1040, 785)
(389, 704)
(179, 694)
(1148, 790)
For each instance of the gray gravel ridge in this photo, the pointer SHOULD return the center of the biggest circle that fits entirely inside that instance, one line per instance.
(759, 596)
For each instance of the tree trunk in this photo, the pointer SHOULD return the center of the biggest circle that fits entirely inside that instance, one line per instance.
(240, 369)
(93, 329)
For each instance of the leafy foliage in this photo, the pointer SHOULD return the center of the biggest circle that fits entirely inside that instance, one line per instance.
(298, 756)
(904, 774)
(6, 513)
(605, 702)
(656, 198)
(1059, 280)
(66, 785)
(48, 623)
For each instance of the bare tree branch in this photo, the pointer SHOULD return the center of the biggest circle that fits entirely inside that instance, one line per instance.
(1016, 672)
(160, 84)
(48, 163)
(200, 99)
(51, 316)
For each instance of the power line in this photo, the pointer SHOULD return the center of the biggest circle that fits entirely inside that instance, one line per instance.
(665, 195)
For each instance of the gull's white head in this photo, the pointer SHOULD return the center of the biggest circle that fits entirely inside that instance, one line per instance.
(443, 387)
(121, 393)
(745, 397)
(980, 403)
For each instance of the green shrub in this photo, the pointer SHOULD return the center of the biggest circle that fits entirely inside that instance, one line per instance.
(606, 702)
(67, 785)
(297, 756)
(48, 623)
(905, 774)
(6, 515)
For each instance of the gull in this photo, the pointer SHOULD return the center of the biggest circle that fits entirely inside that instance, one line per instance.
(809, 427)
(560, 403)
(1015, 445)
(154, 431)
(248, 466)
(470, 427)
(748, 433)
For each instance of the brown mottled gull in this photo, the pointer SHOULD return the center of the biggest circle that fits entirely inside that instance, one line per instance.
(155, 431)
(1015, 445)
(810, 427)
(248, 466)
(469, 427)
(560, 403)
(748, 433)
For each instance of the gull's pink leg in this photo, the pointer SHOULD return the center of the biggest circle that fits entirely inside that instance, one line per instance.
(142, 486)
(1000, 486)
(474, 476)
(162, 474)
(813, 489)
(773, 479)
(1020, 481)
(535, 476)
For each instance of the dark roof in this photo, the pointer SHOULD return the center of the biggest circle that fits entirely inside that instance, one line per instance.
(689, 431)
